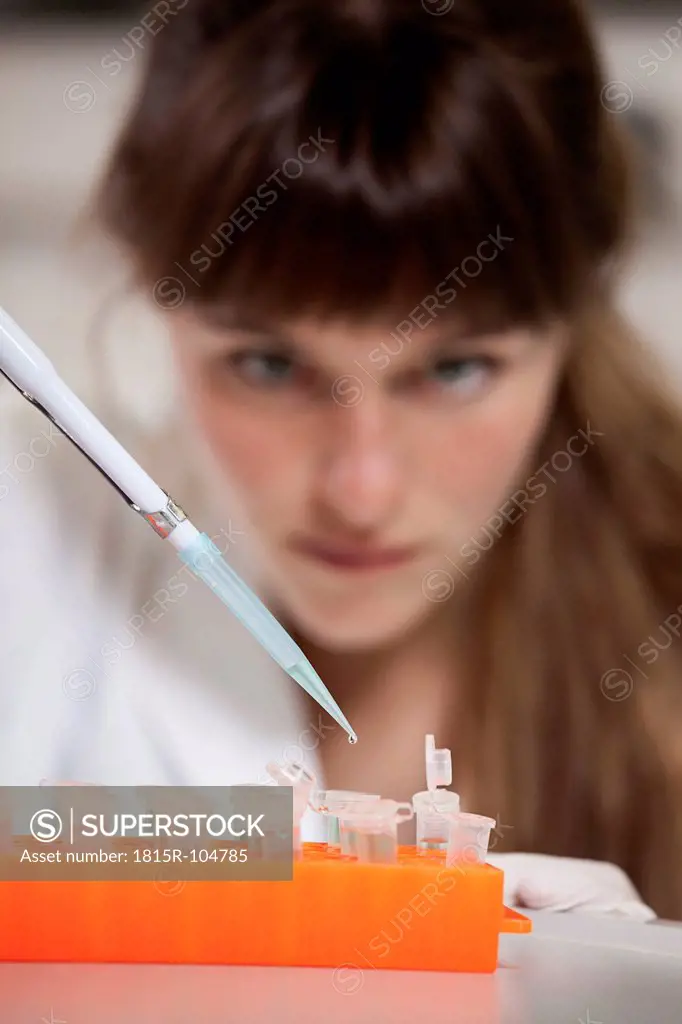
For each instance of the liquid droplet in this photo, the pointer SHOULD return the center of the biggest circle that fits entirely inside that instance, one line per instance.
(352, 739)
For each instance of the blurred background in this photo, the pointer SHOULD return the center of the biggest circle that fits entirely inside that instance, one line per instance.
(68, 72)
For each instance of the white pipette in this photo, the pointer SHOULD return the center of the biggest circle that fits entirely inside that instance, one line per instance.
(27, 367)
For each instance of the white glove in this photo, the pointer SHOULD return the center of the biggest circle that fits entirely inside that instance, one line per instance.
(562, 884)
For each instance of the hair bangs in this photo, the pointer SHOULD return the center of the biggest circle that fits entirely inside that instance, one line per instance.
(359, 182)
(302, 253)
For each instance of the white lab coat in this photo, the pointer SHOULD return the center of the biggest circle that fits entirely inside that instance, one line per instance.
(117, 666)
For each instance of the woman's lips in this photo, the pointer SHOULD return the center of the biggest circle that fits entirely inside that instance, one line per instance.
(353, 558)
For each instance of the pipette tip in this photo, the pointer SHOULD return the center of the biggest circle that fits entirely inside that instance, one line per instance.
(305, 675)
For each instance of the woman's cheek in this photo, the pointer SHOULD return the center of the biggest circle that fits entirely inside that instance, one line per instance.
(480, 466)
(253, 454)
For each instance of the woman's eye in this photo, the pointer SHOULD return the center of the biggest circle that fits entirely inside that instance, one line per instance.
(263, 368)
(463, 375)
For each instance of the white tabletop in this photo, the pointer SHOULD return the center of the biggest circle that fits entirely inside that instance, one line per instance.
(570, 970)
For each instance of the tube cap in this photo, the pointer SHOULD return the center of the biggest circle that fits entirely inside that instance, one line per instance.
(438, 765)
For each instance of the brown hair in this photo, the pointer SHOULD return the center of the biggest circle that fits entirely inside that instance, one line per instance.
(427, 128)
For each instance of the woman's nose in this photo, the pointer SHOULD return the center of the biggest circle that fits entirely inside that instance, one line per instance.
(359, 471)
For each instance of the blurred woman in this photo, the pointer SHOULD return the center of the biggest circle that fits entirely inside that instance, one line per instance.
(385, 236)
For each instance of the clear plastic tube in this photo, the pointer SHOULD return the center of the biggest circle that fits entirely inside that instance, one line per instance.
(302, 781)
(469, 839)
(434, 811)
(331, 802)
(372, 829)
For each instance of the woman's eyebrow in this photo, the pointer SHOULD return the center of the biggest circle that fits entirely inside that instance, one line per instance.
(457, 336)
(450, 340)
(251, 326)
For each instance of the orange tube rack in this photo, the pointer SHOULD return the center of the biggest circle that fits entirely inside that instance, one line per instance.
(417, 914)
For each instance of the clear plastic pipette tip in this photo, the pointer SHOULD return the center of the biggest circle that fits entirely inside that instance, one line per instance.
(306, 676)
(206, 561)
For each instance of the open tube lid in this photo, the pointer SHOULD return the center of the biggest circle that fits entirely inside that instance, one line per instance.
(438, 765)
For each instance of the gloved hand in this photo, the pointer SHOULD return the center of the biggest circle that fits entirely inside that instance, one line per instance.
(562, 884)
